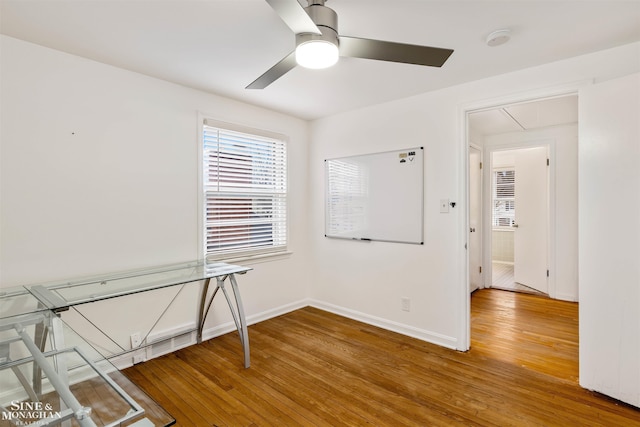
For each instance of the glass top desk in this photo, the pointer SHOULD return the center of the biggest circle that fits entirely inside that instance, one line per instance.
(46, 382)
(32, 345)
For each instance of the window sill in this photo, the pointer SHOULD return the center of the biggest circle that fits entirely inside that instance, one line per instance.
(256, 259)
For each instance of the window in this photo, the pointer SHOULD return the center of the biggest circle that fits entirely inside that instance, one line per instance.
(504, 204)
(245, 191)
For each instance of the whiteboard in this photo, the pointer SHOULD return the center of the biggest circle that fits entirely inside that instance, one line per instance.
(376, 196)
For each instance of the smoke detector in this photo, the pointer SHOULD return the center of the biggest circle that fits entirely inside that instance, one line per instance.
(498, 37)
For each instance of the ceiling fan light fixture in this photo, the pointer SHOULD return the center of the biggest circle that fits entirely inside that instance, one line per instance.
(318, 44)
(317, 54)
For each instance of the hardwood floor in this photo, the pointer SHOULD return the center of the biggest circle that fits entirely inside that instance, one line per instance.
(530, 331)
(310, 367)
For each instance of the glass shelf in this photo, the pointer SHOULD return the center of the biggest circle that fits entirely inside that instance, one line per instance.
(18, 300)
(49, 374)
(60, 295)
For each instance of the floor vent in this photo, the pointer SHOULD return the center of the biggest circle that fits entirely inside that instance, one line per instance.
(169, 341)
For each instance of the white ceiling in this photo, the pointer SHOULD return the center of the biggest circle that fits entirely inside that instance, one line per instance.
(525, 116)
(222, 46)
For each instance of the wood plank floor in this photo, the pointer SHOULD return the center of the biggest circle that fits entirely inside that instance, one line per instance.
(313, 368)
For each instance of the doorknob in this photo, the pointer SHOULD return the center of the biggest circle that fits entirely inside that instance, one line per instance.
(472, 230)
(515, 226)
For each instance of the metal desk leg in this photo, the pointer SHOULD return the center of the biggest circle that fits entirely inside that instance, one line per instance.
(237, 312)
(52, 326)
(5, 357)
(59, 384)
(40, 339)
(60, 362)
(202, 314)
(242, 327)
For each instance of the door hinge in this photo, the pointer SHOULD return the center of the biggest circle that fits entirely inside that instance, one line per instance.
(480, 165)
(547, 273)
(480, 268)
(547, 162)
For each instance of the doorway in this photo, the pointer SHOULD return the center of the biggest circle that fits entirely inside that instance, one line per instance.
(512, 138)
(547, 130)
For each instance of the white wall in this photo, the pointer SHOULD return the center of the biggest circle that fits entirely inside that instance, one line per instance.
(99, 174)
(563, 144)
(367, 280)
(502, 246)
(610, 238)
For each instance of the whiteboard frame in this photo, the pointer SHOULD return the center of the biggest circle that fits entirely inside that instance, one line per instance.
(370, 239)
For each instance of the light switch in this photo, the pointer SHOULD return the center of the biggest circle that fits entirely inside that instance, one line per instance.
(444, 205)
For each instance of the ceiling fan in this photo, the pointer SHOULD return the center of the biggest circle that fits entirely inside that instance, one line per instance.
(318, 44)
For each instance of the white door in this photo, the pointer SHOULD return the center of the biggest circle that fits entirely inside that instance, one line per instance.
(609, 233)
(475, 236)
(531, 218)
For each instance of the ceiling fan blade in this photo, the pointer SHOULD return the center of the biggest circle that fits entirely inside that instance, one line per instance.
(275, 72)
(394, 52)
(294, 15)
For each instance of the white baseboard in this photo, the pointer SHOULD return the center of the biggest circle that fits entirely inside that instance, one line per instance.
(171, 344)
(170, 340)
(566, 297)
(421, 334)
(255, 318)
(121, 361)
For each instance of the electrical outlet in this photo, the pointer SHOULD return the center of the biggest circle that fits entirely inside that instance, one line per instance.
(136, 340)
(406, 303)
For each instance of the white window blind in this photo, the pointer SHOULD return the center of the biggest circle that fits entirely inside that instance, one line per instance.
(504, 204)
(245, 186)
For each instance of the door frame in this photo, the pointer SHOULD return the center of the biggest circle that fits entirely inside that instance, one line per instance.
(550, 145)
(464, 110)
